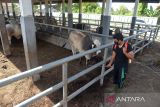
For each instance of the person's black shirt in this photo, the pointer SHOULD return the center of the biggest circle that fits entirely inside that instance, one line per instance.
(120, 58)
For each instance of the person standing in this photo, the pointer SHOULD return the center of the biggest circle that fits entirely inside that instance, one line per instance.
(122, 52)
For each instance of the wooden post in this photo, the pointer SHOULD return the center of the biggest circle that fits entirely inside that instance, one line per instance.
(29, 37)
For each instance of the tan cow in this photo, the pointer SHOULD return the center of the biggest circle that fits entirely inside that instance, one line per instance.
(80, 42)
(13, 29)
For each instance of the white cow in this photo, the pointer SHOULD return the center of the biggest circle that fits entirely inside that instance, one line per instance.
(13, 29)
(80, 42)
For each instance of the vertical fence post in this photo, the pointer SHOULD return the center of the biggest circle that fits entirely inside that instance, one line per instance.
(154, 35)
(137, 37)
(150, 37)
(122, 26)
(103, 66)
(157, 31)
(65, 81)
(144, 41)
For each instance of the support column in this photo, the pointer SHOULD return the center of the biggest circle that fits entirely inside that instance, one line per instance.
(33, 10)
(28, 33)
(106, 20)
(46, 11)
(63, 13)
(80, 11)
(50, 8)
(105, 25)
(134, 17)
(103, 7)
(3, 34)
(40, 8)
(13, 10)
(7, 9)
(2, 7)
(70, 15)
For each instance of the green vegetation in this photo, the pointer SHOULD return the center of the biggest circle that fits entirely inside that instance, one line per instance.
(143, 9)
(122, 11)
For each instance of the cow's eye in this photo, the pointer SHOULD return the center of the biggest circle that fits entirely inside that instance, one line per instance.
(93, 46)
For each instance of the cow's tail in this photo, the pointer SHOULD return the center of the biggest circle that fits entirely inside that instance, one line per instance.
(63, 45)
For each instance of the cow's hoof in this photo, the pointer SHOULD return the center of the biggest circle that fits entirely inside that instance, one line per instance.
(8, 56)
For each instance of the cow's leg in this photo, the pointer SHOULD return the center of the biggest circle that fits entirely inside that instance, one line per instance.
(88, 57)
(73, 50)
(80, 60)
(86, 62)
(9, 38)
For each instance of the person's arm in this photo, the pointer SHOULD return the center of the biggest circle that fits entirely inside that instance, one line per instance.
(129, 54)
(112, 59)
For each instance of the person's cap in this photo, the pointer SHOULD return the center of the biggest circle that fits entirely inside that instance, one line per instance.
(118, 36)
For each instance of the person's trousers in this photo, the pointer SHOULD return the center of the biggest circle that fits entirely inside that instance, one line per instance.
(119, 75)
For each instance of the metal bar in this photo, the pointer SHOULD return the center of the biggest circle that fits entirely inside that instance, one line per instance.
(3, 35)
(42, 94)
(58, 86)
(157, 32)
(103, 66)
(138, 42)
(56, 63)
(65, 81)
(144, 41)
(85, 71)
(83, 88)
(106, 72)
(154, 35)
(48, 66)
(124, 22)
(40, 2)
(95, 34)
(143, 47)
(7, 9)
(150, 35)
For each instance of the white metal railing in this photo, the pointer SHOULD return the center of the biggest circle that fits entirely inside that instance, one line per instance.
(93, 23)
(64, 63)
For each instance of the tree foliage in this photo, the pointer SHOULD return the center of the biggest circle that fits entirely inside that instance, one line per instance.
(152, 13)
(36, 9)
(121, 11)
(142, 8)
(17, 9)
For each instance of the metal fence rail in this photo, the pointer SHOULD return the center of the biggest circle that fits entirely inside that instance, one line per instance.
(64, 63)
(124, 26)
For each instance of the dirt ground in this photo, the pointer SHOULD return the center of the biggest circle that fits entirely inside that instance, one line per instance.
(143, 76)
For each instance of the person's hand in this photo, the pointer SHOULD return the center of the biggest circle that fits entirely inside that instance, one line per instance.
(124, 50)
(109, 65)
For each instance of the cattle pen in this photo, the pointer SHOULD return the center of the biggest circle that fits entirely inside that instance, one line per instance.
(47, 28)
